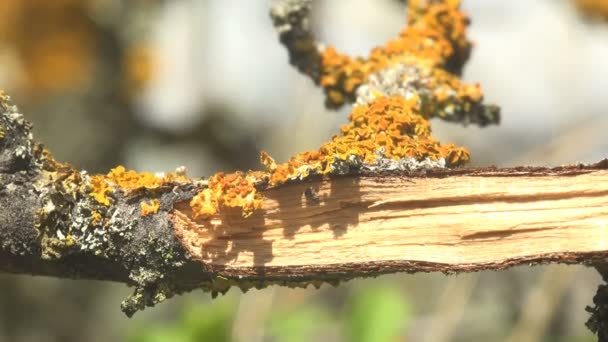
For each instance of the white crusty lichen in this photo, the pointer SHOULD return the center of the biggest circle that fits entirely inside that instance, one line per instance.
(14, 124)
(383, 164)
(442, 94)
(398, 80)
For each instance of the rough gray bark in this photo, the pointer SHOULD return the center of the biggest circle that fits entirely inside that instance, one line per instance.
(36, 209)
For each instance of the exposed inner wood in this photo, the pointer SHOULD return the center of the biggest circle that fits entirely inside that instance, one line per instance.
(463, 221)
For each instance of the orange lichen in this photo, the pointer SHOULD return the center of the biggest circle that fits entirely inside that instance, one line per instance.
(391, 127)
(433, 38)
(129, 180)
(149, 208)
(229, 190)
(100, 190)
(267, 161)
(381, 125)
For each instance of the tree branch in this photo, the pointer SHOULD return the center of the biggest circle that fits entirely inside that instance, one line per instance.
(377, 199)
(53, 221)
(447, 220)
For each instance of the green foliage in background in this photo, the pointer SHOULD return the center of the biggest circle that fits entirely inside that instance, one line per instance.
(376, 313)
(198, 322)
(300, 324)
(372, 312)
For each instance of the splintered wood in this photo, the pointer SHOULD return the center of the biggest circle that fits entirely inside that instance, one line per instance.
(454, 220)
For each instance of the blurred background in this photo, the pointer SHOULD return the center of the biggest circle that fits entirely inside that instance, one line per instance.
(155, 84)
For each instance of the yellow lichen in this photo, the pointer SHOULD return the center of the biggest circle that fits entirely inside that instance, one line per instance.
(148, 208)
(100, 189)
(96, 218)
(129, 180)
(70, 241)
(229, 190)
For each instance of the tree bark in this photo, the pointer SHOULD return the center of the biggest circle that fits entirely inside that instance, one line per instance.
(317, 230)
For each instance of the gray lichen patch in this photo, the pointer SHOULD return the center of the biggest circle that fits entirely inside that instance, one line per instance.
(438, 98)
(50, 216)
(16, 139)
(17, 169)
(354, 165)
(73, 222)
(145, 245)
(60, 189)
(383, 164)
